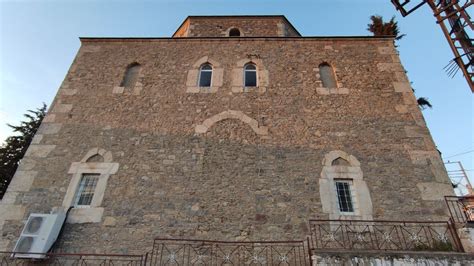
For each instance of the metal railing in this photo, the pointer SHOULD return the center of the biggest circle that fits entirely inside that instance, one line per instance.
(383, 235)
(205, 252)
(13, 258)
(461, 209)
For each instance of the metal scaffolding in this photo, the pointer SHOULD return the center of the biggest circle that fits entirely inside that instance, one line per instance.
(456, 25)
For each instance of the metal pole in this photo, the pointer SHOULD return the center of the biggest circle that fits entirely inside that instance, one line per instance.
(457, 57)
(468, 183)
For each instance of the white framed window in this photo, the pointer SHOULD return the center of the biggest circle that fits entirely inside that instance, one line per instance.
(344, 196)
(205, 75)
(86, 190)
(250, 75)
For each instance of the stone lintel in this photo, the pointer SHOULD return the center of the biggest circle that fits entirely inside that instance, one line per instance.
(327, 91)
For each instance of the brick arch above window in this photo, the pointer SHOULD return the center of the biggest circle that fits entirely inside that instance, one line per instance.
(192, 80)
(238, 85)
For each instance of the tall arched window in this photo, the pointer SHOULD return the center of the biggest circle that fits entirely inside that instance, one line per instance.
(234, 32)
(328, 78)
(131, 75)
(250, 75)
(205, 75)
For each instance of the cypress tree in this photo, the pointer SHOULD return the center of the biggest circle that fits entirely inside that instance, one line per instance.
(14, 148)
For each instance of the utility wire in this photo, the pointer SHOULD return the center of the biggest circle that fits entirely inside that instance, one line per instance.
(459, 154)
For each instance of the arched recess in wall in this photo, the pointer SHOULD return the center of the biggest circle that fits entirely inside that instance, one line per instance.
(231, 114)
(193, 76)
(131, 75)
(87, 186)
(234, 32)
(131, 80)
(344, 193)
(327, 75)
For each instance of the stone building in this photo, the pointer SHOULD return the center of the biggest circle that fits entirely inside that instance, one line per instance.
(236, 128)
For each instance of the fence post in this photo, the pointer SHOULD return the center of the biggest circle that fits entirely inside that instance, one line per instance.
(145, 259)
(455, 235)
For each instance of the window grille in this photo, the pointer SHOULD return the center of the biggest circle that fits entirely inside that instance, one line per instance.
(86, 189)
(344, 196)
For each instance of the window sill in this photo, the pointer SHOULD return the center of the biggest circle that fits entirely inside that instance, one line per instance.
(83, 215)
(201, 89)
(248, 89)
(135, 90)
(326, 91)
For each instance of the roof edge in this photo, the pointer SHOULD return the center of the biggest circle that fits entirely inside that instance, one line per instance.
(85, 39)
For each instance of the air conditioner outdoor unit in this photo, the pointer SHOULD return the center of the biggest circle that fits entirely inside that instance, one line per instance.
(39, 234)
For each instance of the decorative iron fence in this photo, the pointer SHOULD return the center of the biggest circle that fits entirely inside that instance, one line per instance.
(203, 252)
(383, 235)
(13, 258)
(461, 209)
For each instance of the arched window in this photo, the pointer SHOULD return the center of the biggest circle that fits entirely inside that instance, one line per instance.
(205, 75)
(234, 32)
(250, 75)
(328, 78)
(131, 75)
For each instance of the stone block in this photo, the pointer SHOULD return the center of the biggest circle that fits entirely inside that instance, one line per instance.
(49, 118)
(67, 92)
(109, 221)
(85, 215)
(200, 129)
(401, 108)
(402, 87)
(49, 128)
(118, 90)
(62, 108)
(11, 212)
(37, 139)
(434, 191)
(22, 181)
(390, 67)
(40, 151)
(384, 50)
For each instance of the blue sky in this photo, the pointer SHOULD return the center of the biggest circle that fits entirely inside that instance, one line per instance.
(39, 39)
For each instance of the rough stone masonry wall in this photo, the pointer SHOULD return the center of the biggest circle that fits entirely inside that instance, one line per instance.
(248, 26)
(228, 183)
